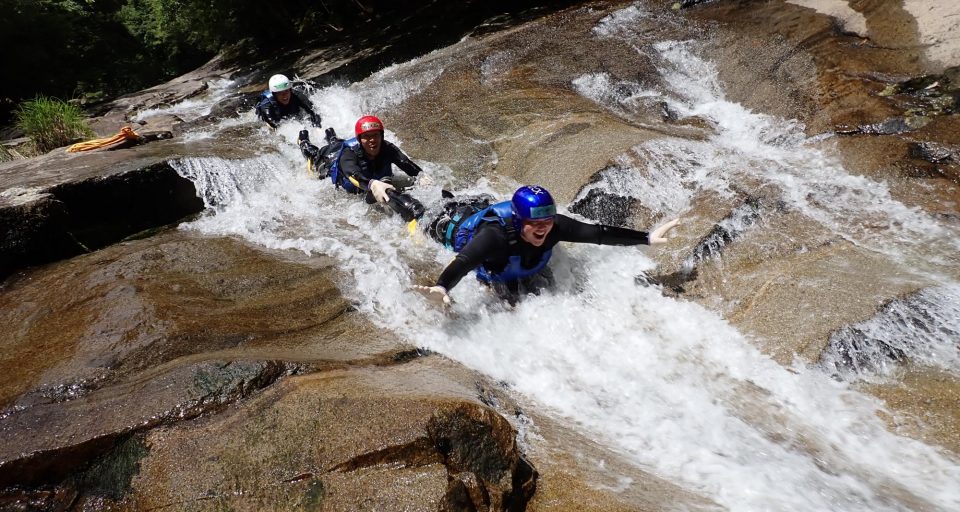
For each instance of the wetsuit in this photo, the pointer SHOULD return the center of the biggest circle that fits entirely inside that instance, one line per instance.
(321, 158)
(271, 111)
(492, 247)
(354, 163)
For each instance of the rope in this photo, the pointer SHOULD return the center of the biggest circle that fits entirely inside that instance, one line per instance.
(126, 134)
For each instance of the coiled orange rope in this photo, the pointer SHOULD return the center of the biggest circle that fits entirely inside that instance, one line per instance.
(126, 134)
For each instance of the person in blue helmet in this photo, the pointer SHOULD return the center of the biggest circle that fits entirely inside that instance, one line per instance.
(280, 101)
(510, 243)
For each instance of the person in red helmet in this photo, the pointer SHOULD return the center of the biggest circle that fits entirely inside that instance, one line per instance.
(364, 165)
(371, 168)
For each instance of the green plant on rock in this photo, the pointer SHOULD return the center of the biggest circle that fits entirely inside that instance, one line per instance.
(51, 123)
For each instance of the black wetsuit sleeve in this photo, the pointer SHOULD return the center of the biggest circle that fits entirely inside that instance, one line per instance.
(307, 107)
(267, 110)
(350, 166)
(401, 160)
(571, 230)
(489, 242)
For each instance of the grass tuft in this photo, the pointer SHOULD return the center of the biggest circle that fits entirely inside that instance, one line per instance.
(51, 123)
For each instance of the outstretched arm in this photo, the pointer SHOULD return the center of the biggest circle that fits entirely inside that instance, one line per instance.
(487, 243)
(657, 235)
(571, 230)
(401, 160)
(268, 114)
(308, 108)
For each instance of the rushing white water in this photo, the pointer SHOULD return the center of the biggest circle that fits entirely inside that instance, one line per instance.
(665, 382)
(765, 151)
(748, 147)
(924, 327)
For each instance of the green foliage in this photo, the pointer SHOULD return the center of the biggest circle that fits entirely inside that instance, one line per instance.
(51, 123)
(96, 49)
(104, 48)
(211, 25)
(78, 48)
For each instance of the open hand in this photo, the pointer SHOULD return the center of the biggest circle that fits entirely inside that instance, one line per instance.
(379, 190)
(437, 294)
(657, 235)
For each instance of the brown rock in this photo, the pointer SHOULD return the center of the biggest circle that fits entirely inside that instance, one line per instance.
(508, 98)
(406, 436)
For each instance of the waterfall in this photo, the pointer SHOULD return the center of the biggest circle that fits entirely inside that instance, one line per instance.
(664, 381)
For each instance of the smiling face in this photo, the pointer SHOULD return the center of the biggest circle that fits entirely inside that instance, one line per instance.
(283, 97)
(535, 232)
(371, 142)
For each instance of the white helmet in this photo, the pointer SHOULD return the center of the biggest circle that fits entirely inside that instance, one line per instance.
(280, 83)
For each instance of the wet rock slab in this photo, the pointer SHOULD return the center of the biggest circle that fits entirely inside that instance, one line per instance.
(927, 402)
(47, 443)
(516, 112)
(108, 345)
(136, 306)
(108, 353)
(200, 373)
(781, 280)
(378, 438)
(784, 282)
(60, 205)
(113, 116)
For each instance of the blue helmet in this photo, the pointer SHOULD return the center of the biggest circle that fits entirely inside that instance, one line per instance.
(532, 203)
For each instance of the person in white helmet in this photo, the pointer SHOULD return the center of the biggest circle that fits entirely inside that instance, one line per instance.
(280, 101)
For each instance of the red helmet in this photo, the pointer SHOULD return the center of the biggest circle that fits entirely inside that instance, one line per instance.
(368, 124)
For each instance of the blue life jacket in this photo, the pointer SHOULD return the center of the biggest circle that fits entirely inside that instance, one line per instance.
(501, 213)
(335, 175)
(266, 98)
(341, 179)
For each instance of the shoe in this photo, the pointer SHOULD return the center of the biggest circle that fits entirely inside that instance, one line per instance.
(303, 137)
(331, 135)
